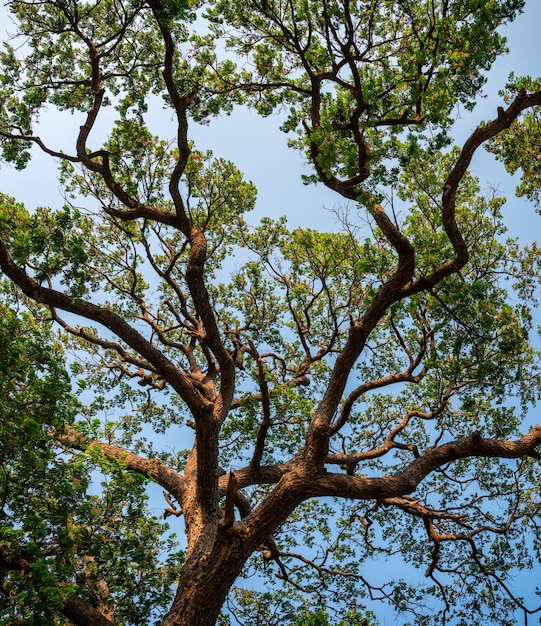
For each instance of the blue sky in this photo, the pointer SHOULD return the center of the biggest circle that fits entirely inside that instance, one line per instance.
(259, 149)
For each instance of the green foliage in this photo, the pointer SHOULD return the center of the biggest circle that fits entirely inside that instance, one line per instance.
(379, 70)
(35, 404)
(519, 147)
(268, 609)
(70, 532)
(351, 618)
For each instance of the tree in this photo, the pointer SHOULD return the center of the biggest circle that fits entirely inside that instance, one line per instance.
(306, 401)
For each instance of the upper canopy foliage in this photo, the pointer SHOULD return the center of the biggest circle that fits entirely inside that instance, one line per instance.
(306, 400)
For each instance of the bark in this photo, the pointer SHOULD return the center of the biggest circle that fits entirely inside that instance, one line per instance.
(206, 579)
(400, 285)
(221, 550)
(83, 614)
(218, 548)
(408, 479)
(208, 575)
(107, 318)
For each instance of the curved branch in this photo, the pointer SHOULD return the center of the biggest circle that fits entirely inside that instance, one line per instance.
(398, 286)
(391, 379)
(198, 243)
(40, 143)
(480, 135)
(103, 343)
(350, 461)
(266, 407)
(155, 469)
(319, 431)
(110, 320)
(407, 480)
(83, 614)
(262, 475)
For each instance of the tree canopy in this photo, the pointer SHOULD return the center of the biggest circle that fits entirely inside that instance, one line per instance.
(207, 421)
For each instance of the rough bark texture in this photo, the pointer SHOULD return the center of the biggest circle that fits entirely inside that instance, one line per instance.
(82, 614)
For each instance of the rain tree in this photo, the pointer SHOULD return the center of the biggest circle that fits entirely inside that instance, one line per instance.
(255, 416)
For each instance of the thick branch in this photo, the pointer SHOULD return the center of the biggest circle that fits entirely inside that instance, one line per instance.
(407, 480)
(399, 286)
(151, 468)
(262, 475)
(83, 614)
(319, 431)
(479, 136)
(230, 498)
(110, 320)
(266, 406)
(198, 252)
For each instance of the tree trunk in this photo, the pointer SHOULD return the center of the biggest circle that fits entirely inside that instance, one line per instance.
(222, 547)
(205, 581)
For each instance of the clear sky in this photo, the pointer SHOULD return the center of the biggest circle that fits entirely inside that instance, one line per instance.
(259, 149)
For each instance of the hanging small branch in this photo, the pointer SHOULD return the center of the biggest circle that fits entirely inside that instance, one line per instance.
(229, 508)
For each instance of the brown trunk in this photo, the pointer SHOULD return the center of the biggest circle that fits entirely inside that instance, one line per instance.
(220, 547)
(205, 582)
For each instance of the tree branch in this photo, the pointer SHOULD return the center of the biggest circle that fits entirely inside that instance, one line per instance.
(78, 611)
(407, 480)
(155, 469)
(111, 320)
(83, 614)
(479, 136)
